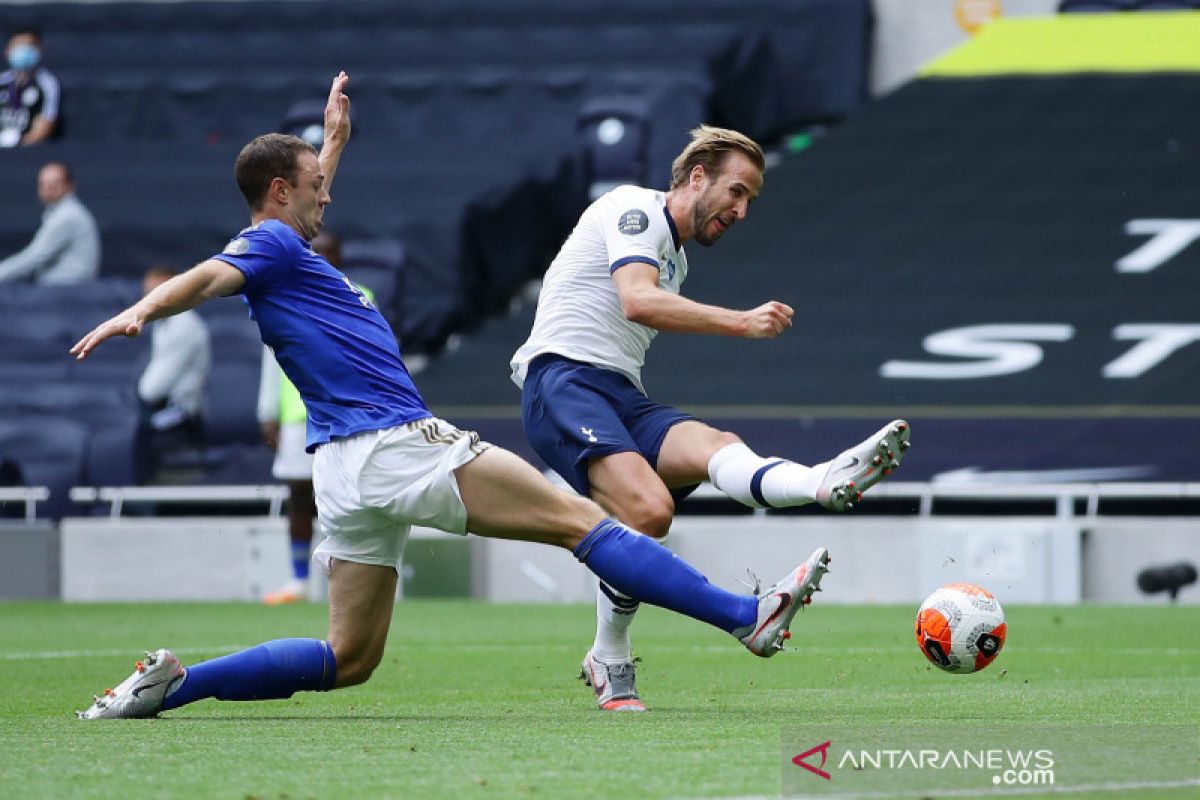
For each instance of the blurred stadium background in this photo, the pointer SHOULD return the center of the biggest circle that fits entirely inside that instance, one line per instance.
(985, 214)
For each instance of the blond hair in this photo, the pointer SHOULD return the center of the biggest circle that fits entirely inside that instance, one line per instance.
(708, 149)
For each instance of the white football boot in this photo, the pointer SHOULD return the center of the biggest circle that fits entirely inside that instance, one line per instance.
(614, 684)
(142, 693)
(779, 605)
(862, 466)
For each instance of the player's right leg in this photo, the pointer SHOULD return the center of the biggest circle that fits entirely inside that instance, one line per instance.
(836, 484)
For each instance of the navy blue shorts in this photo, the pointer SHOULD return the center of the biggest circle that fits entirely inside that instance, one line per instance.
(574, 412)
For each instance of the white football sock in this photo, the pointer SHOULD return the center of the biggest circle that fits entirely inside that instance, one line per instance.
(614, 615)
(764, 482)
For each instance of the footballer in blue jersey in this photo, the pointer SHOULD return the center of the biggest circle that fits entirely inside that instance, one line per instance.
(382, 463)
(330, 340)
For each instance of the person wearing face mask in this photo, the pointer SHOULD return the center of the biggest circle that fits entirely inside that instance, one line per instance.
(29, 93)
(612, 287)
(66, 248)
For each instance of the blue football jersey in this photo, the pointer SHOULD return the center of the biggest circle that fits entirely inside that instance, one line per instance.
(330, 340)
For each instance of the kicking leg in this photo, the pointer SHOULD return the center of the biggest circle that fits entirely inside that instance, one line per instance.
(693, 450)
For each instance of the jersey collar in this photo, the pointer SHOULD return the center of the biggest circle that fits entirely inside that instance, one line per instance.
(671, 225)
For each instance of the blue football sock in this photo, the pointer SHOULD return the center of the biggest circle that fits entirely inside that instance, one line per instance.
(300, 560)
(271, 671)
(638, 566)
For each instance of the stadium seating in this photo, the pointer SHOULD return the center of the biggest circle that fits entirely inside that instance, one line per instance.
(231, 400)
(615, 133)
(51, 451)
(451, 105)
(466, 168)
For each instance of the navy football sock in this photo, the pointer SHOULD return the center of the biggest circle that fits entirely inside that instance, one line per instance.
(271, 671)
(638, 566)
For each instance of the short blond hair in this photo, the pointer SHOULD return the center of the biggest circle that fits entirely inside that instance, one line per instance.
(708, 149)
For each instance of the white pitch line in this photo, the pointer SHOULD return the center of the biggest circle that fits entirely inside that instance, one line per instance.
(800, 648)
(128, 651)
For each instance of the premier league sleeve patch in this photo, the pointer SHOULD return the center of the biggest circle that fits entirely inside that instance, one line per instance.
(237, 247)
(633, 222)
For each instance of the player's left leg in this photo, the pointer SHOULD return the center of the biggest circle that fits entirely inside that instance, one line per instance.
(361, 597)
(692, 451)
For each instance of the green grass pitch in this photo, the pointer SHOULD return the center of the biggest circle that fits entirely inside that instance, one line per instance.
(480, 701)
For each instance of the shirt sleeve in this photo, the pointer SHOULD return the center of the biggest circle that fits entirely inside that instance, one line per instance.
(261, 256)
(632, 233)
(176, 347)
(50, 95)
(47, 244)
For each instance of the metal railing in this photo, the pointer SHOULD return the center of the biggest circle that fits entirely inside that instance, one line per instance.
(29, 495)
(118, 496)
(1065, 496)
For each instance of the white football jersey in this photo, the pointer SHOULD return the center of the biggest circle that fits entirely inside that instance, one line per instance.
(579, 312)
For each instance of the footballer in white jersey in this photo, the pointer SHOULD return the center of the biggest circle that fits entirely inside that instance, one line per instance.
(613, 285)
(579, 313)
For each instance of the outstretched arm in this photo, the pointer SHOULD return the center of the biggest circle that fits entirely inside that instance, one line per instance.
(337, 129)
(204, 281)
(647, 304)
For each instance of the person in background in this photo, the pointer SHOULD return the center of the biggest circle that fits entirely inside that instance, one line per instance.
(29, 93)
(66, 248)
(283, 419)
(171, 388)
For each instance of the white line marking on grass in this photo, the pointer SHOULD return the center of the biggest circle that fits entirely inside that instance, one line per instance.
(412, 644)
(55, 654)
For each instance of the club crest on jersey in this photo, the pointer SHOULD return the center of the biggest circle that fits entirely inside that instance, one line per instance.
(237, 247)
(633, 222)
(669, 267)
(591, 437)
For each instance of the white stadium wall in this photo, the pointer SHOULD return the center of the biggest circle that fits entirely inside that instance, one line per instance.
(875, 559)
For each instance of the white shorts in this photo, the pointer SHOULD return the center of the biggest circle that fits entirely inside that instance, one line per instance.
(371, 488)
(291, 462)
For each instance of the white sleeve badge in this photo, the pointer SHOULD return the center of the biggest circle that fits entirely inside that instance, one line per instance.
(237, 247)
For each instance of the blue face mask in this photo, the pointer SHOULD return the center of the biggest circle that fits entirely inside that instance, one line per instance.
(24, 57)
